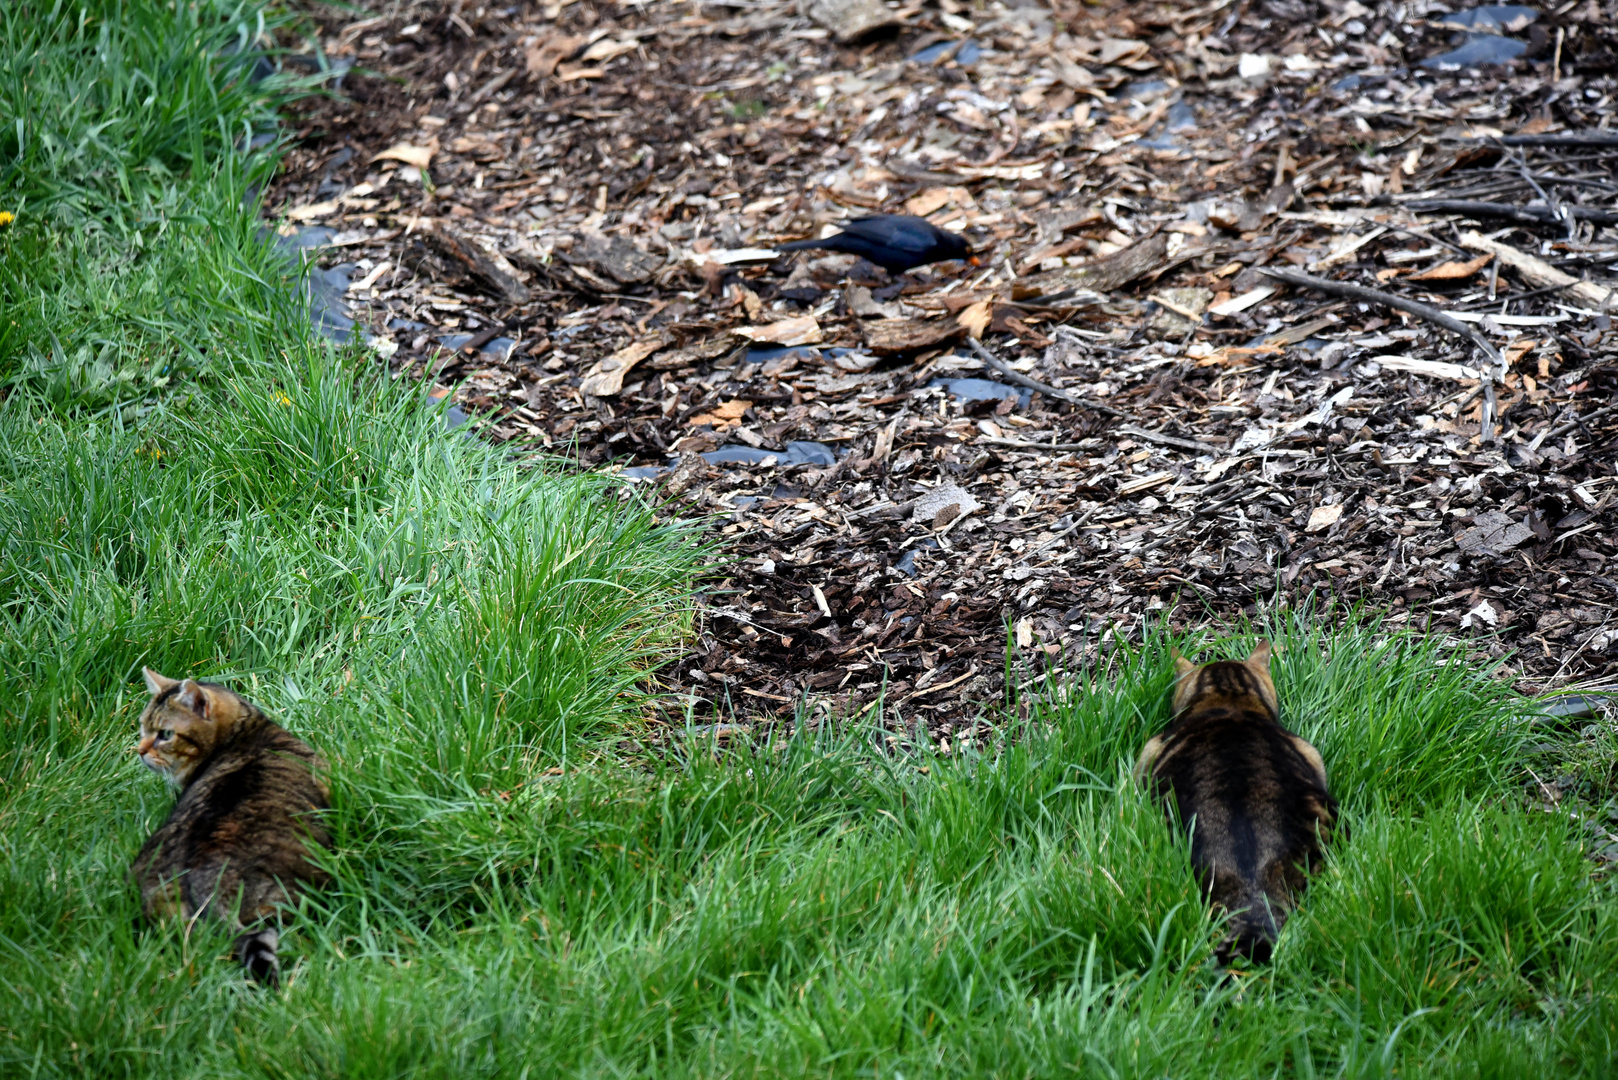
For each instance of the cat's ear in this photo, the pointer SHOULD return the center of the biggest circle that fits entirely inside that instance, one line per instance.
(1260, 656)
(1182, 666)
(155, 683)
(193, 697)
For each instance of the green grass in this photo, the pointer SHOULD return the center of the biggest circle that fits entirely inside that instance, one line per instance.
(819, 907)
(522, 888)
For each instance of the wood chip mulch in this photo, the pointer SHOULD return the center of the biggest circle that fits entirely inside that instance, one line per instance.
(564, 211)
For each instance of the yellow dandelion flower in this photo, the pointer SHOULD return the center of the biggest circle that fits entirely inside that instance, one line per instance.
(6, 218)
(282, 398)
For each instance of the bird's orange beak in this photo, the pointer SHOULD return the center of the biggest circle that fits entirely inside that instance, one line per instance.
(973, 260)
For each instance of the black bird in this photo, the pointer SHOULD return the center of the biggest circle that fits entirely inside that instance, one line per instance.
(895, 242)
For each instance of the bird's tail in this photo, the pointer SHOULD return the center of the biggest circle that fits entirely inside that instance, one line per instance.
(255, 949)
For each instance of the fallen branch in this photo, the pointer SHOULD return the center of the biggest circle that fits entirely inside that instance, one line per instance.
(1034, 384)
(1569, 138)
(1029, 444)
(1579, 421)
(1083, 520)
(1123, 429)
(898, 509)
(1399, 303)
(1509, 298)
(1528, 215)
(482, 338)
(1170, 440)
(1421, 311)
(1539, 273)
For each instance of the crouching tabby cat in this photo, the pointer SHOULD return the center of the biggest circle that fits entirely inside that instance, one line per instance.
(1253, 794)
(236, 845)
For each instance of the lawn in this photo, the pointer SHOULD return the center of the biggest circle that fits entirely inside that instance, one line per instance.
(525, 884)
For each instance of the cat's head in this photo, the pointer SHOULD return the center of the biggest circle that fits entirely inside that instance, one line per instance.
(1230, 679)
(183, 724)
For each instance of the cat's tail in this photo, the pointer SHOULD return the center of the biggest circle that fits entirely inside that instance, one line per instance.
(1251, 933)
(255, 950)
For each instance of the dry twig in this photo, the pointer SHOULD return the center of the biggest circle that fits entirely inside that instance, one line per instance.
(1421, 311)
(1034, 384)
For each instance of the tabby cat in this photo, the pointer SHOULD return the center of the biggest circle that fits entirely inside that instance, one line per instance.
(235, 846)
(1252, 793)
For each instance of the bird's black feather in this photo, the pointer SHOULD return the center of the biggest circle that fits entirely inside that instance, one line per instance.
(895, 242)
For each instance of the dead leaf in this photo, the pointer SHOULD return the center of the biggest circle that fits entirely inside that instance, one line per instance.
(543, 56)
(974, 319)
(1484, 614)
(572, 72)
(607, 377)
(608, 49)
(1074, 76)
(1453, 271)
(800, 330)
(313, 210)
(943, 504)
(1536, 273)
(1518, 349)
(419, 156)
(727, 415)
(464, 145)
(1125, 53)
(1322, 518)
(934, 199)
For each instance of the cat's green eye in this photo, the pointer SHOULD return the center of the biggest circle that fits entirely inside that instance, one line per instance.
(165, 735)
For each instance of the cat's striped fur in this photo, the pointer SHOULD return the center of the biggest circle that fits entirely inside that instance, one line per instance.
(1252, 793)
(236, 845)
